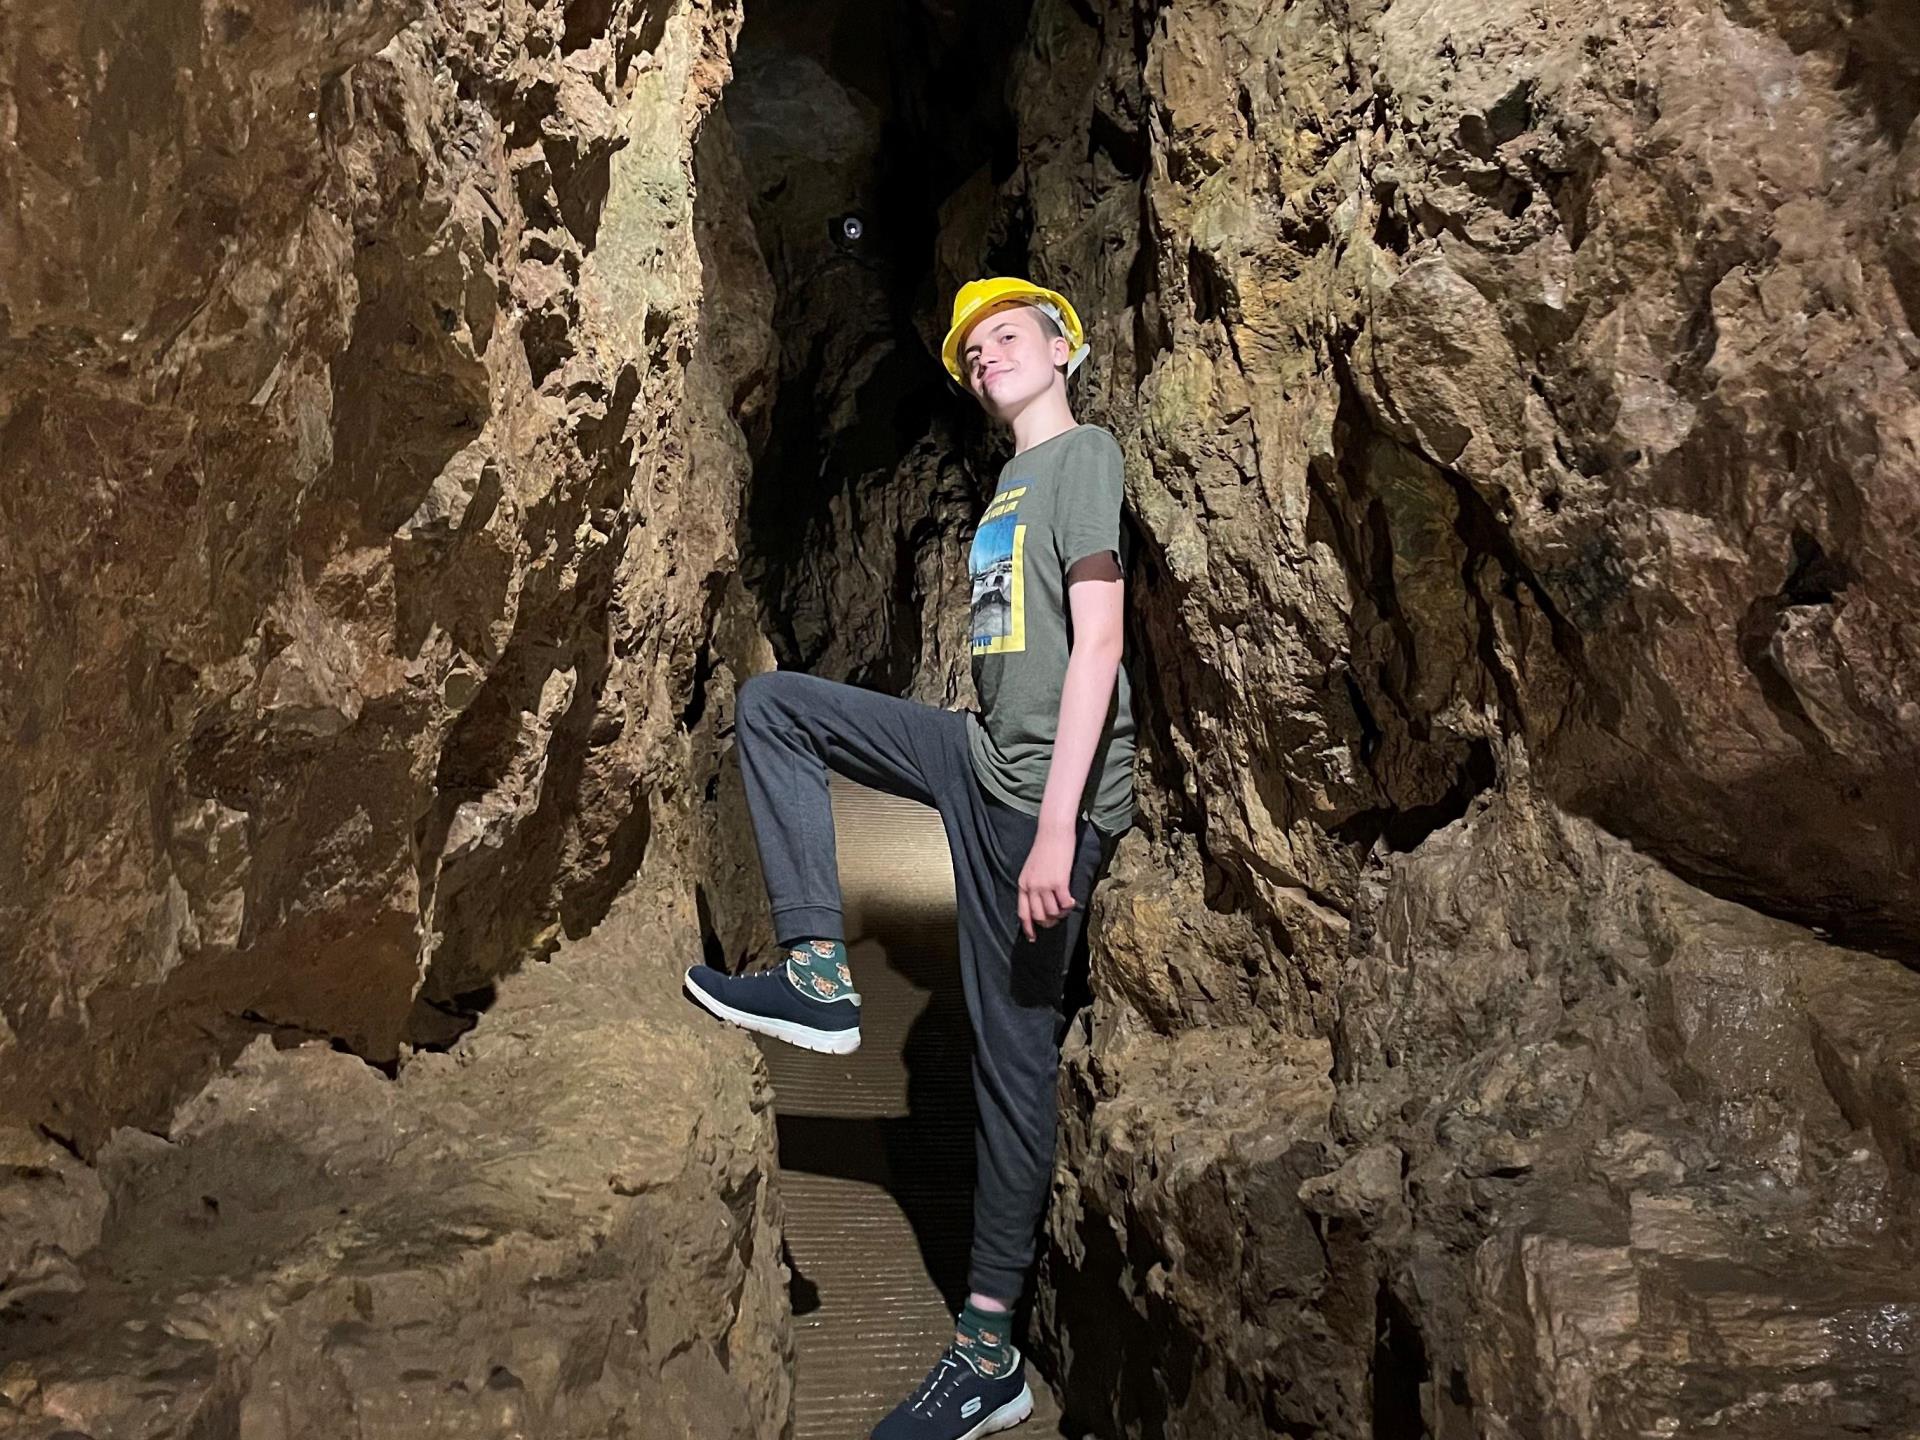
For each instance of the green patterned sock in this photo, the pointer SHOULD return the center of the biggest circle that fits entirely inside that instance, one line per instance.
(986, 1337)
(819, 968)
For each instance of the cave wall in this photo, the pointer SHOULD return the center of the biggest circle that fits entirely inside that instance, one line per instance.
(1519, 402)
(1499, 1021)
(359, 570)
(377, 394)
(1519, 408)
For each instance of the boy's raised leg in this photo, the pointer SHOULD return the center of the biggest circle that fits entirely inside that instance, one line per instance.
(791, 730)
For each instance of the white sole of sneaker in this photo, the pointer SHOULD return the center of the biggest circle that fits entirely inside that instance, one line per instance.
(1006, 1417)
(823, 1042)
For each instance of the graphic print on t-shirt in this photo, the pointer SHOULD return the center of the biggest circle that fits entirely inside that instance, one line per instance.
(999, 577)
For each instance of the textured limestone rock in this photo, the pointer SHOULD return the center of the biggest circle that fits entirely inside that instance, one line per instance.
(1596, 1154)
(564, 1226)
(1519, 401)
(356, 577)
(1202, 1142)
(51, 1207)
(1520, 405)
(1621, 1095)
(374, 388)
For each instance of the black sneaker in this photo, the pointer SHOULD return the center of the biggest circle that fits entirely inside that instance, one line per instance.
(957, 1402)
(769, 1004)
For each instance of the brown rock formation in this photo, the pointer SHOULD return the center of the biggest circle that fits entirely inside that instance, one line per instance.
(1500, 1022)
(358, 579)
(368, 626)
(564, 1227)
(1522, 403)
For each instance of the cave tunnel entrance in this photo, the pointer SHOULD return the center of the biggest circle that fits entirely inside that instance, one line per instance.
(857, 125)
(873, 140)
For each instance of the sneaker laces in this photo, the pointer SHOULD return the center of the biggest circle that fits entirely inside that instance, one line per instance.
(940, 1382)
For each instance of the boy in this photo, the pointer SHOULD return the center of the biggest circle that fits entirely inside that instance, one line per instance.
(1033, 790)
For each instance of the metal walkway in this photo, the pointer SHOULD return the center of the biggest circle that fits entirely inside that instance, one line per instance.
(876, 1147)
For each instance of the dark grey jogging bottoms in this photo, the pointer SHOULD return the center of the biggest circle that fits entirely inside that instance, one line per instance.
(791, 729)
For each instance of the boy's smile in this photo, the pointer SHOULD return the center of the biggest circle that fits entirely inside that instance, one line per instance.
(996, 353)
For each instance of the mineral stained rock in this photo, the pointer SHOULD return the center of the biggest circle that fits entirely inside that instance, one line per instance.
(1500, 1024)
(566, 1226)
(370, 528)
(372, 390)
(1521, 401)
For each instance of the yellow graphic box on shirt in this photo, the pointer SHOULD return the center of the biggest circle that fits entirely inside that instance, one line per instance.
(1054, 503)
(998, 565)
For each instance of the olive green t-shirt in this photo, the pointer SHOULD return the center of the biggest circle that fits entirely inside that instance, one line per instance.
(1056, 503)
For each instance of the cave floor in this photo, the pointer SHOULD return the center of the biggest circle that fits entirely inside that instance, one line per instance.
(876, 1148)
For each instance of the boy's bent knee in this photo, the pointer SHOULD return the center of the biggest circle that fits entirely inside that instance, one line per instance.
(760, 693)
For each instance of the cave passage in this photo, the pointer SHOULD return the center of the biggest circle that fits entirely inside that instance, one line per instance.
(855, 125)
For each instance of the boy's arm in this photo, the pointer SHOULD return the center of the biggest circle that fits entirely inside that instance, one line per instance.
(1094, 597)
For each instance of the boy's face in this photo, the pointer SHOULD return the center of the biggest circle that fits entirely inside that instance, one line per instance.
(1009, 359)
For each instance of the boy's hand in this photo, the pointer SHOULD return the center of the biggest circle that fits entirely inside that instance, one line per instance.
(1044, 896)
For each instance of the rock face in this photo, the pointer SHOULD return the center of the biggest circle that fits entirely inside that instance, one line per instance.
(564, 1227)
(373, 391)
(1501, 1020)
(1521, 401)
(360, 570)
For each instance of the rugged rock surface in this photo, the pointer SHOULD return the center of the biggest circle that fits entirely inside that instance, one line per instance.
(1501, 1023)
(563, 1227)
(359, 574)
(1522, 402)
(373, 390)
(1676, 1137)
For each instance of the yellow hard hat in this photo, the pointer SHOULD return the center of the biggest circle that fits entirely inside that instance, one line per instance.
(977, 297)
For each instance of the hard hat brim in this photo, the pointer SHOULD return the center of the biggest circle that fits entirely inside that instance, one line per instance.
(1019, 293)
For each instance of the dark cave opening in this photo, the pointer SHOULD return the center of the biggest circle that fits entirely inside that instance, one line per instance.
(1400, 1370)
(860, 129)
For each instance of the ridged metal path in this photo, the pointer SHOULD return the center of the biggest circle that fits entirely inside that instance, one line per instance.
(876, 1147)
